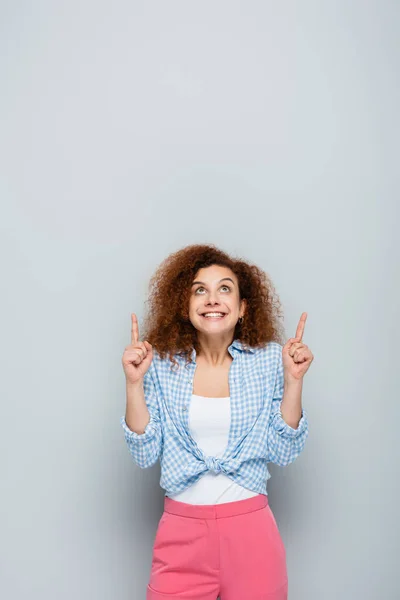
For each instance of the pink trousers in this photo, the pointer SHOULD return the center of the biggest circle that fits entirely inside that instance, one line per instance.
(233, 551)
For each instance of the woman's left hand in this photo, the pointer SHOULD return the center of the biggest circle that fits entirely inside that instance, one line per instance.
(296, 356)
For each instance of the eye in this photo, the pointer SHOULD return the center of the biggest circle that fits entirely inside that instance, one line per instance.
(222, 286)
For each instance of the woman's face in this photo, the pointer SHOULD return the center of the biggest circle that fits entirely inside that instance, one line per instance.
(215, 289)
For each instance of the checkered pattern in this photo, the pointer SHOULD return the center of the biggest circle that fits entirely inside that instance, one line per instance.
(258, 434)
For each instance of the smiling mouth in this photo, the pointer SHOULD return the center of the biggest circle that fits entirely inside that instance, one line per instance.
(214, 317)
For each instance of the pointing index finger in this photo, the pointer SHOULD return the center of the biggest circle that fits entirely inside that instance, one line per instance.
(300, 326)
(134, 330)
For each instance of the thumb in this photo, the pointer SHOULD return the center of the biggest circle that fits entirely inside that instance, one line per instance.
(148, 346)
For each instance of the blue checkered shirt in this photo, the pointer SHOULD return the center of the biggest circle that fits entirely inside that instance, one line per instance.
(258, 434)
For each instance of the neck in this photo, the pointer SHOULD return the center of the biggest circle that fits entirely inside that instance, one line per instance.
(215, 352)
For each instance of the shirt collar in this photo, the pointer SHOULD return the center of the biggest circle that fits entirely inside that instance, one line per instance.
(236, 345)
(241, 346)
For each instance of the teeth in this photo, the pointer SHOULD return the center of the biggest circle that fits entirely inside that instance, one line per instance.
(213, 315)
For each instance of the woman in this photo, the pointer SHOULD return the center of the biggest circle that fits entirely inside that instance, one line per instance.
(213, 394)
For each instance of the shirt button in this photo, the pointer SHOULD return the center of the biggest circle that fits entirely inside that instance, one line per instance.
(184, 408)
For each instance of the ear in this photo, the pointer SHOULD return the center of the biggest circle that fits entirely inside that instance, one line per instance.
(243, 305)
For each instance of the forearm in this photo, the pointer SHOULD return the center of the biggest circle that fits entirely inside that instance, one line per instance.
(291, 407)
(137, 415)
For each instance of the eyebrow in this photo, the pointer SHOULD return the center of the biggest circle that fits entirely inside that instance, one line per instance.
(223, 279)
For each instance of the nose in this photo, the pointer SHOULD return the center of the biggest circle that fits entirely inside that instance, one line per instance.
(212, 301)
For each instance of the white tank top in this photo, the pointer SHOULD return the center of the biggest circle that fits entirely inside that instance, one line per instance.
(209, 422)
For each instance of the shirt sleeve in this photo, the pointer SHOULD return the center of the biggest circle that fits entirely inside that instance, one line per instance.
(146, 447)
(284, 443)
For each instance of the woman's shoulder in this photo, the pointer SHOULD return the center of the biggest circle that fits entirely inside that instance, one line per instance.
(164, 363)
(269, 356)
(274, 348)
(268, 349)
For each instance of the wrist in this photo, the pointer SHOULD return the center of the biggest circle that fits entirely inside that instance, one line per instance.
(134, 385)
(292, 383)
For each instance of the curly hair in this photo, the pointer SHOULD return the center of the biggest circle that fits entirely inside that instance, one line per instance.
(167, 326)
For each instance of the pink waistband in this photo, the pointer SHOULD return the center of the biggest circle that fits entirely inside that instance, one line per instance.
(215, 511)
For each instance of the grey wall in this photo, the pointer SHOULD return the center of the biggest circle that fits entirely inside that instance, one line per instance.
(130, 129)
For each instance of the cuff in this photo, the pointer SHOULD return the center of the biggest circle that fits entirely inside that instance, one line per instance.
(132, 436)
(286, 430)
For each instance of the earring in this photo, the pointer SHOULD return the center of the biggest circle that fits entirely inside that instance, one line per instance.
(241, 320)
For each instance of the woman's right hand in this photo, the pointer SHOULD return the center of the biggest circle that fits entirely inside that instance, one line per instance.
(137, 357)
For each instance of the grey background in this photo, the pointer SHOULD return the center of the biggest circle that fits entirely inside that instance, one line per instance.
(128, 130)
